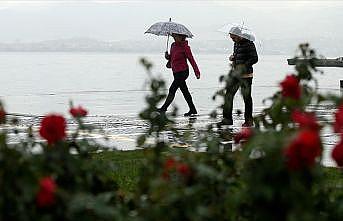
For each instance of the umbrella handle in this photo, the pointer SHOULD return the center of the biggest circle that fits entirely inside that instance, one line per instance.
(168, 38)
(167, 43)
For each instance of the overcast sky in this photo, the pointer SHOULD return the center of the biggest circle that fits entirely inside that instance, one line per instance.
(127, 20)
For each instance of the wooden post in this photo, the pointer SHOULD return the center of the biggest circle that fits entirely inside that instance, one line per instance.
(337, 62)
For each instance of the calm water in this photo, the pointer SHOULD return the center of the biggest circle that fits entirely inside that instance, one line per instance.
(111, 87)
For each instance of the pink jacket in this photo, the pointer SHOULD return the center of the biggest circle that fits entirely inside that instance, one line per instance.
(179, 53)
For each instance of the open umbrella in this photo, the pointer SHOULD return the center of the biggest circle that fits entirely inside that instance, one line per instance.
(239, 30)
(168, 28)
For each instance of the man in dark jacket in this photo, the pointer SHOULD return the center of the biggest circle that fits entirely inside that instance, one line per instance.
(243, 58)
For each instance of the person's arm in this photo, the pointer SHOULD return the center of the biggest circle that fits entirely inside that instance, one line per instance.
(252, 54)
(233, 56)
(168, 56)
(189, 56)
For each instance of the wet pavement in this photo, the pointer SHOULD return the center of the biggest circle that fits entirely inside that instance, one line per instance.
(120, 131)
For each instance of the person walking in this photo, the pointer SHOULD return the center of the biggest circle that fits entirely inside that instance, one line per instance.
(243, 58)
(180, 52)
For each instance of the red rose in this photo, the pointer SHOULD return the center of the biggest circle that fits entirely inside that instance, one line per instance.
(337, 153)
(290, 87)
(46, 193)
(243, 135)
(2, 115)
(78, 111)
(170, 163)
(183, 169)
(305, 120)
(338, 124)
(303, 150)
(53, 128)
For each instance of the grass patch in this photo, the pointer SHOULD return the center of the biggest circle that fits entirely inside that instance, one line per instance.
(334, 175)
(334, 181)
(129, 163)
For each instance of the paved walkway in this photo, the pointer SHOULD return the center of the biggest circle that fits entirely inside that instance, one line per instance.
(121, 132)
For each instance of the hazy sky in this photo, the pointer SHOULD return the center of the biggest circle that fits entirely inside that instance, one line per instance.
(34, 20)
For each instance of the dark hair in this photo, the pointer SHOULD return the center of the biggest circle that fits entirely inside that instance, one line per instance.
(183, 37)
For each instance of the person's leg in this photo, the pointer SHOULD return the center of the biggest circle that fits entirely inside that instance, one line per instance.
(187, 95)
(231, 90)
(246, 93)
(171, 95)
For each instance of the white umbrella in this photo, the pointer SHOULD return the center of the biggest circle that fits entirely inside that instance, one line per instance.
(168, 28)
(239, 30)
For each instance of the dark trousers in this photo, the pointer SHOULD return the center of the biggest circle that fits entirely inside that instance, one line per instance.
(179, 82)
(245, 84)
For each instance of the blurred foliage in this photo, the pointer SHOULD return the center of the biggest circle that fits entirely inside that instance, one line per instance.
(251, 183)
(85, 189)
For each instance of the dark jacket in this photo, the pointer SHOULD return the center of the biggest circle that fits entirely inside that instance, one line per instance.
(244, 52)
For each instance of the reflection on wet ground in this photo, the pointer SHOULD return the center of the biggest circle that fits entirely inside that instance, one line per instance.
(121, 132)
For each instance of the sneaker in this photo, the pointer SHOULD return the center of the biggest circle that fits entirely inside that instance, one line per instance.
(248, 124)
(190, 113)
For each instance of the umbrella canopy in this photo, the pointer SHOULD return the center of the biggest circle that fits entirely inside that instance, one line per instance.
(239, 30)
(168, 28)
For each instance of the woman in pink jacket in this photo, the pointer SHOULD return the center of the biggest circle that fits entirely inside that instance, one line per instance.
(177, 61)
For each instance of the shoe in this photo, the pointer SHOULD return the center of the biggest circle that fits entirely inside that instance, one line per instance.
(226, 121)
(248, 124)
(190, 113)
